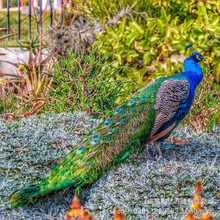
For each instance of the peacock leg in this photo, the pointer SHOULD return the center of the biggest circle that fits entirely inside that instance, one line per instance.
(157, 146)
(149, 156)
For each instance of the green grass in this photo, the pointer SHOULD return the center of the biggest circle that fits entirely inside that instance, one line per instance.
(24, 27)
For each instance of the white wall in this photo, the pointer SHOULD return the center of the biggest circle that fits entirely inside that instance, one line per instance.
(14, 55)
(1, 4)
(56, 3)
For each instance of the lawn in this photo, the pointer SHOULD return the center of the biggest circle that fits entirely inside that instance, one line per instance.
(29, 148)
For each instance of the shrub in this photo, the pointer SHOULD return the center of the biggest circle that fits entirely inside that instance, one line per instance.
(104, 10)
(140, 42)
(205, 113)
(86, 83)
(24, 93)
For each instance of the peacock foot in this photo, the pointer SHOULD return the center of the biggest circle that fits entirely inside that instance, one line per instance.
(157, 146)
(177, 141)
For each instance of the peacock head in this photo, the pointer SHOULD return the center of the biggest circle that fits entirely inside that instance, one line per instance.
(197, 57)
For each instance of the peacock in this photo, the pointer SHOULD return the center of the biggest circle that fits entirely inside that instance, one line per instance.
(149, 116)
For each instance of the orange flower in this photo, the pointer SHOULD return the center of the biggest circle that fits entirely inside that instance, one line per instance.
(67, 217)
(87, 216)
(75, 203)
(207, 216)
(198, 187)
(197, 202)
(196, 197)
(190, 216)
(77, 211)
(118, 215)
(199, 205)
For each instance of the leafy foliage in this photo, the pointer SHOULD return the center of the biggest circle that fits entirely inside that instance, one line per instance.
(24, 93)
(205, 113)
(144, 41)
(105, 9)
(216, 71)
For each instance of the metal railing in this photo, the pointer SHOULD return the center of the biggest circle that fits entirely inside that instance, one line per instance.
(39, 9)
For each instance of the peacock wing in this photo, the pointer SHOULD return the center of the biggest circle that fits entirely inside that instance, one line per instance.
(169, 103)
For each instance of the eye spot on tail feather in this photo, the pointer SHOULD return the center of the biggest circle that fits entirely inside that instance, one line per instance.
(111, 131)
(80, 148)
(131, 102)
(95, 136)
(117, 111)
(119, 121)
(107, 122)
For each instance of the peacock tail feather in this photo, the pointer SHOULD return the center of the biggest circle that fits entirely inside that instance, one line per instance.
(126, 131)
(150, 115)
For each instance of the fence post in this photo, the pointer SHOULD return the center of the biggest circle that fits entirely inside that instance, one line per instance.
(51, 12)
(29, 19)
(62, 12)
(41, 13)
(8, 18)
(19, 19)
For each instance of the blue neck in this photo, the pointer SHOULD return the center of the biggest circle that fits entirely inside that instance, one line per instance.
(193, 71)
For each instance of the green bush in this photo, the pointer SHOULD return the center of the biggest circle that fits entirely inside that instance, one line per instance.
(205, 113)
(86, 83)
(103, 10)
(143, 41)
